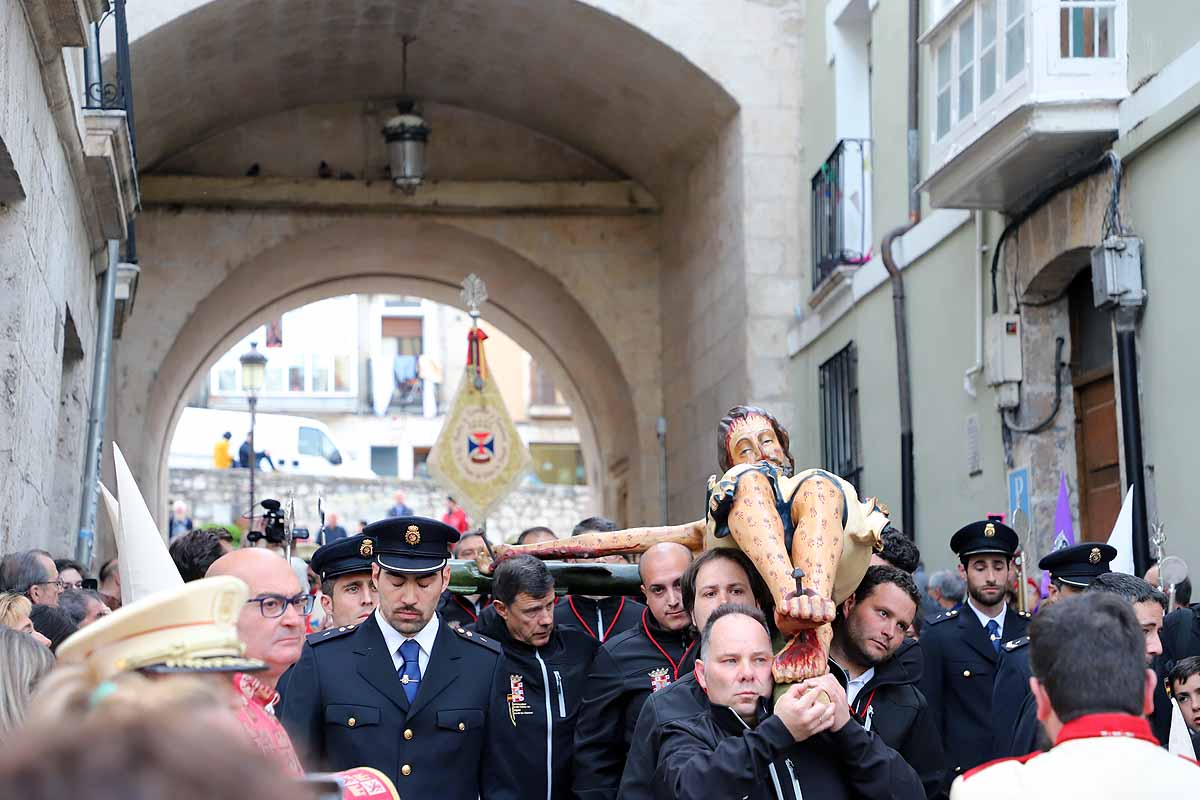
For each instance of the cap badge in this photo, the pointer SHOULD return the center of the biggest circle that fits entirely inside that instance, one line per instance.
(1094, 556)
(413, 535)
(989, 530)
(367, 548)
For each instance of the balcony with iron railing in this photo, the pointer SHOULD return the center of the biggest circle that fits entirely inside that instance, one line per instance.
(111, 147)
(1019, 92)
(841, 212)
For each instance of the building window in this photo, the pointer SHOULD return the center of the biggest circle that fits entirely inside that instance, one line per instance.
(385, 461)
(403, 343)
(1014, 38)
(542, 391)
(1085, 28)
(841, 209)
(560, 464)
(421, 462)
(839, 416)
(969, 59)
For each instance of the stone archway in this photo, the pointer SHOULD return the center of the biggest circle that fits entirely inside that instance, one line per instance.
(411, 256)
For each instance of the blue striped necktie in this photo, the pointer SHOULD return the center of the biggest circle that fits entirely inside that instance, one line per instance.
(410, 673)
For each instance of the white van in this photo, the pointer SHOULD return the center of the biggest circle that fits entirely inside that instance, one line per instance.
(296, 444)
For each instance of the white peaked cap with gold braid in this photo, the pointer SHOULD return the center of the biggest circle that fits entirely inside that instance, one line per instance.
(144, 564)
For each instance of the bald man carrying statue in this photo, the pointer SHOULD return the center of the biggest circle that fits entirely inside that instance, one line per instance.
(808, 534)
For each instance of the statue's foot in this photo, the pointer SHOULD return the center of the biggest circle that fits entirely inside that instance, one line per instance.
(487, 561)
(803, 612)
(806, 655)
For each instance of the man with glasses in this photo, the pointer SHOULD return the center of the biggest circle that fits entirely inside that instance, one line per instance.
(404, 692)
(33, 574)
(271, 624)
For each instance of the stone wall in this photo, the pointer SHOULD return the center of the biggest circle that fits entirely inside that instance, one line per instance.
(222, 495)
(47, 303)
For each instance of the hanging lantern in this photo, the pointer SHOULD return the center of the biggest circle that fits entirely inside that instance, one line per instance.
(406, 135)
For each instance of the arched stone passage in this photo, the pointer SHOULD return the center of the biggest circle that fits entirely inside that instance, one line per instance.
(565, 68)
(417, 257)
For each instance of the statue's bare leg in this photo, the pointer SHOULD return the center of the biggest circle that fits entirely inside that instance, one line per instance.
(631, 541)
(756, 527)
(816, 548)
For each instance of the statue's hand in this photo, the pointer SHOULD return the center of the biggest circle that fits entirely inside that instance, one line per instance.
(804, 611)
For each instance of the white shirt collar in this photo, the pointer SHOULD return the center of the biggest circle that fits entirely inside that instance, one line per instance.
(984, 619)
(855, 685)
(395, 638)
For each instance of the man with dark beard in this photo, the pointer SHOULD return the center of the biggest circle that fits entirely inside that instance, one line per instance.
(962, 647)
(882, 668)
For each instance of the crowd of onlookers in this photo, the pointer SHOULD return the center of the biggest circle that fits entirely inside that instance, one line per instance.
(710, 616)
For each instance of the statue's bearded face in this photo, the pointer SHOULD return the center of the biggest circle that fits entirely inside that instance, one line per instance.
(753, 439)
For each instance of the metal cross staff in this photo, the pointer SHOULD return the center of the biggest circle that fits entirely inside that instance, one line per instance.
(474, 294)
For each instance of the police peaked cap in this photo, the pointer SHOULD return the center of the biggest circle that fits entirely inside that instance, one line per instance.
(1079, 565)
(343, 557)
(985, 536)
(411, 545)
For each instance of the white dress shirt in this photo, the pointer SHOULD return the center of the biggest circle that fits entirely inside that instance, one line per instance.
(395, 638)
(984, 619)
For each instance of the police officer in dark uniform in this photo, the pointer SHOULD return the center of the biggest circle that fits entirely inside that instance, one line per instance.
(1014, 714)
(404, 692)
(348, 595)
(961, 647)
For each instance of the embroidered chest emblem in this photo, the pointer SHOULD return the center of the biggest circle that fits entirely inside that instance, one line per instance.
(659, 678)
(516, 698)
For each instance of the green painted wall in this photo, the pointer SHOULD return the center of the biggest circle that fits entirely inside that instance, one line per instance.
(1159, 32)
(1161, 190)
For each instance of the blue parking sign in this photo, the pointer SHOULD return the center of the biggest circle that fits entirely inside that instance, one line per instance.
(1018, 490)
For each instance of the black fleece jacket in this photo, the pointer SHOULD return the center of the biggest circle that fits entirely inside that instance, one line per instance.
(545, 690)
(891, 706)
(716, 754)
(627, 669)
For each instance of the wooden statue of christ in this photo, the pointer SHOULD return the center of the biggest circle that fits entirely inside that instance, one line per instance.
(808, 535)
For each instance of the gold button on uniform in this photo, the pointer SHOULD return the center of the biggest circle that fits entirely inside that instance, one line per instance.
(966, 673)
(462, 726)
(406, 770)
(352, 722)
(408, 733)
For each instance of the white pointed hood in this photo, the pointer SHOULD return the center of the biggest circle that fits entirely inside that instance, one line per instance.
(143, 561)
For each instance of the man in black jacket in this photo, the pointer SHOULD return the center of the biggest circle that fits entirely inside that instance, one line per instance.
(882, 668)
(718, 576)
(464, 609)
(739, 746)
(547, 669)
(628, 668)
(599, 617)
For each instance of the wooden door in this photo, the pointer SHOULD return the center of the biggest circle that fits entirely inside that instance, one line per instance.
(1097, 453)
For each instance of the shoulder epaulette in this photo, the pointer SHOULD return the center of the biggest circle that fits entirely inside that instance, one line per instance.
(1025, 614)
(1016, 644)
(333, 633)
(951, 614)
(478, 638)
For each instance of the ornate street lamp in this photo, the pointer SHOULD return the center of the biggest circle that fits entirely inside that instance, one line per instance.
(254, 369)
(406, 135)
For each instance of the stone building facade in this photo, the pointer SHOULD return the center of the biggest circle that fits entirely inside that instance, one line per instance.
(67, 186)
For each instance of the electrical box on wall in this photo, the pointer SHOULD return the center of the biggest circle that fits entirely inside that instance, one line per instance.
(1002, 338)
(1117, 272)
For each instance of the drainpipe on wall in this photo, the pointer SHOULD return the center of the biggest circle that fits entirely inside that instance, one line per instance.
(899, 307)
(98, 410)
(1131, 431)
